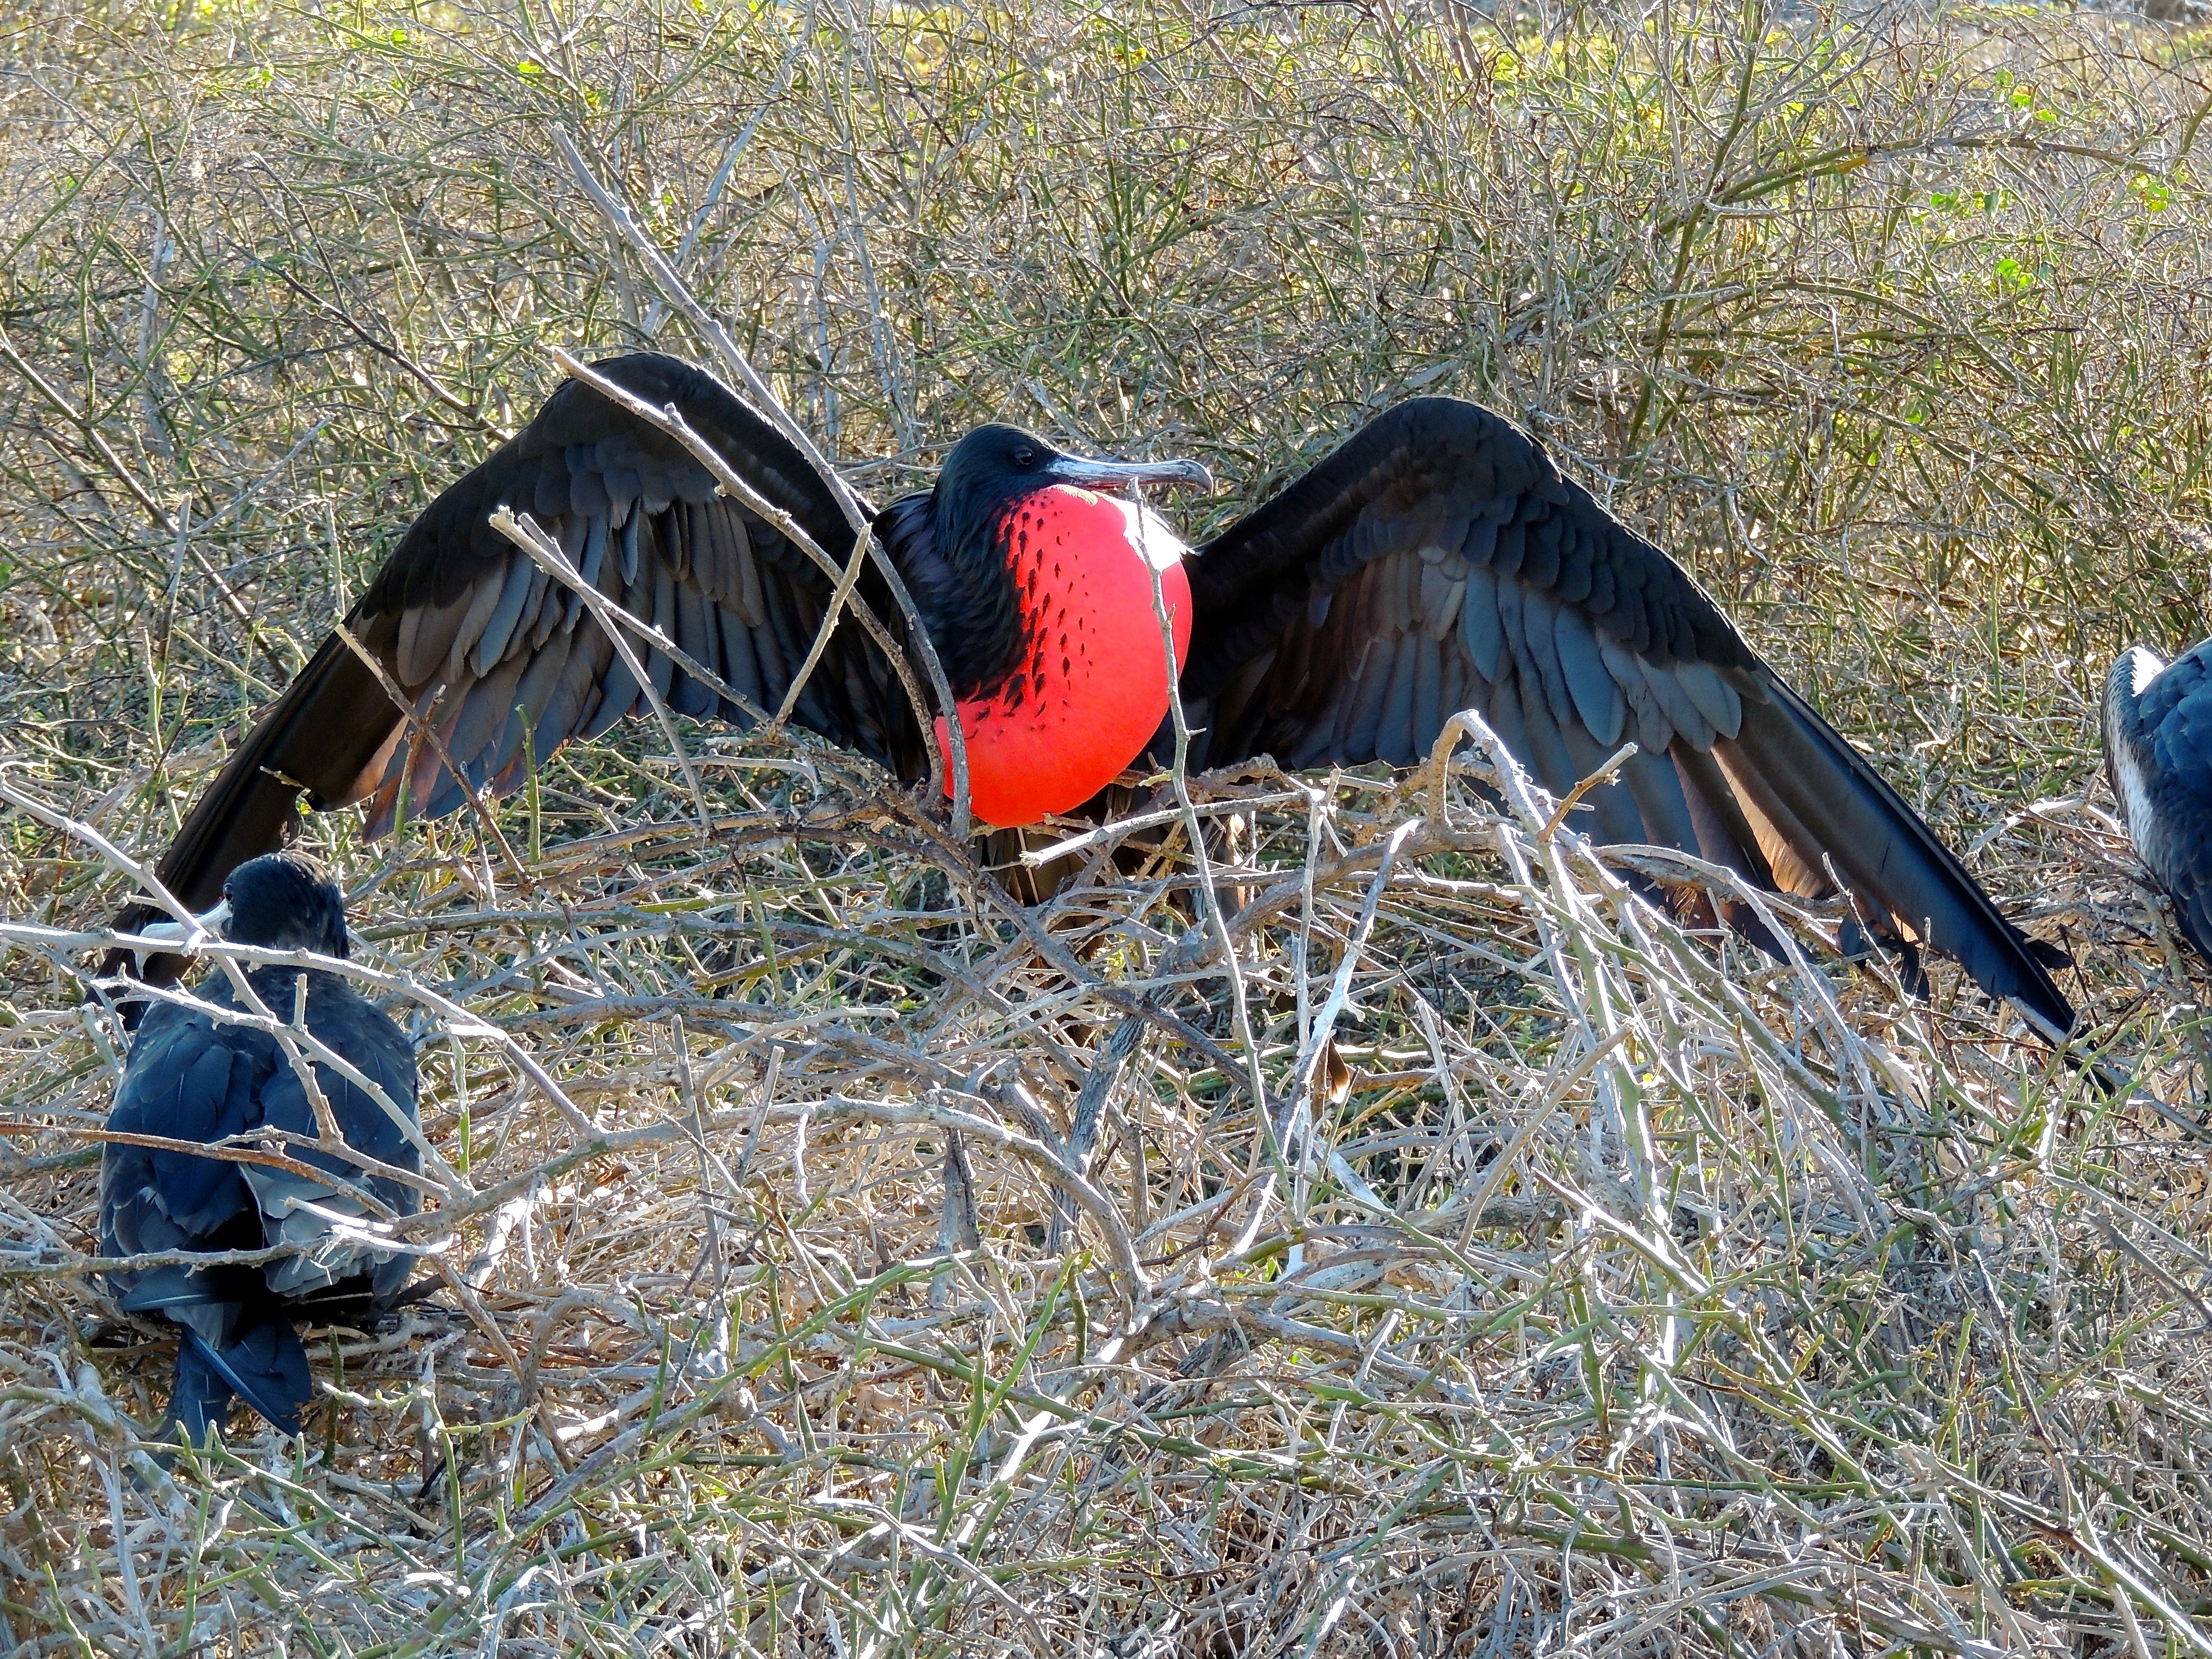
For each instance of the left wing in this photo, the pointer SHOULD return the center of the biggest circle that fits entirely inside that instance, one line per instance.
(1438, 560)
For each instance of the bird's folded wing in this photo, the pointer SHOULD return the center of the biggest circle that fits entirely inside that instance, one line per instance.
(1438, 560)
(190, 1079)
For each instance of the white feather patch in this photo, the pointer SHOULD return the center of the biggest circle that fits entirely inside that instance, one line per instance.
(1149, 534)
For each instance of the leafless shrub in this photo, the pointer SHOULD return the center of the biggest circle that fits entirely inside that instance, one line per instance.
(1542, 1274)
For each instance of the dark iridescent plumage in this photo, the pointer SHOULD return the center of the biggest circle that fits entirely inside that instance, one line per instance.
(1435, 561)
(2158, 745)
(193, 1077)
(1438, 560)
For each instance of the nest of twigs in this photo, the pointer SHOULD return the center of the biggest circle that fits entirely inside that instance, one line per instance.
(839, 1257)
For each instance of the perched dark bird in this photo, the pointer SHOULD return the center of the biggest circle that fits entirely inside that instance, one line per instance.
(2158, 745)
(194, 1078)
(1435, 561)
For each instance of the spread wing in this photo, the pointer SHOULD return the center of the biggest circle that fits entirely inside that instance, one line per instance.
(504, 664)
(1439, 562)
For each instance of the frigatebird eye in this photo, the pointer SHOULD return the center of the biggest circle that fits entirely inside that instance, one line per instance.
(1025, 456)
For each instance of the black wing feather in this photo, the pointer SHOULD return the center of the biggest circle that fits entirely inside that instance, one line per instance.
(1571, 632)
(468, 627)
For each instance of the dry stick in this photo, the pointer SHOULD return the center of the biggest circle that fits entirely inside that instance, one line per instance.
(977, 1126)
(429, 734)
(1091, 1103)
(479, 1316)
(84, 423)
(1316, 1043)
(1627, 1098)
(1503, 1163)
(952, 856)
(1090, 1112)
(346, 320)
(149, 881)
(719, 339)
(1514, 788)
(79, 1267)
(242, 1148)
(835, 609)
(138, 491)
(605, 608)
(1604, 773)
(1118, 830)
(1179, 776)
(957, 1229)
(326, 1120)
(525, 534)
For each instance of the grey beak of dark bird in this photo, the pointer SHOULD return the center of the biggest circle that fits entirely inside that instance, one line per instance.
(1113, 475)
(210, 922)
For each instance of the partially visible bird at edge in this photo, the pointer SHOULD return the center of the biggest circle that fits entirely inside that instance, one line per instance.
(195, 1077)
(1435, 561)
(2157, 729)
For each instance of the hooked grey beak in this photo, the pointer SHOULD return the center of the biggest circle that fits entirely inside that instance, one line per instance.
(1109, 475)
(211, 922)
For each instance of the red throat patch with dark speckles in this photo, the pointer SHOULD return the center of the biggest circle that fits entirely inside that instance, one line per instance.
(1092, 684)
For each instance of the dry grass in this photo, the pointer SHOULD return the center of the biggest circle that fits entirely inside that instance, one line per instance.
(1538, 1275)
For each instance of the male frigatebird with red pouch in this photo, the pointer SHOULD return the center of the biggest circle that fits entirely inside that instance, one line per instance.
(1437, 561)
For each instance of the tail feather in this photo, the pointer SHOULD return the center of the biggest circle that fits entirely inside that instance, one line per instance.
(324, 738)
(1878, 845)
(200, 1400)
(265, 1365)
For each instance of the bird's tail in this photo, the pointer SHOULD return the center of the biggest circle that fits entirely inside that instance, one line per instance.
(264, 1364)
(325, 737)
(1815, 802)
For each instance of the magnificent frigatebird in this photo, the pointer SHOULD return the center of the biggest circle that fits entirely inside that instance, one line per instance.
(1437, 561)
(195, 1078)
(2158, 745)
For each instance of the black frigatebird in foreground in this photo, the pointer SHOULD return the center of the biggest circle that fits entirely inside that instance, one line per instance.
(1437, 561)
(195, 1078)
(2157, 746)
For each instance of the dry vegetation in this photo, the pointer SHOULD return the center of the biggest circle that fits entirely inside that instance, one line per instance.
(1535, 1275)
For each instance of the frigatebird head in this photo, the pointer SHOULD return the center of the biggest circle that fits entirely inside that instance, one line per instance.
(996, 465)
(280, 901)
(286, 902)
(1015, 459)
